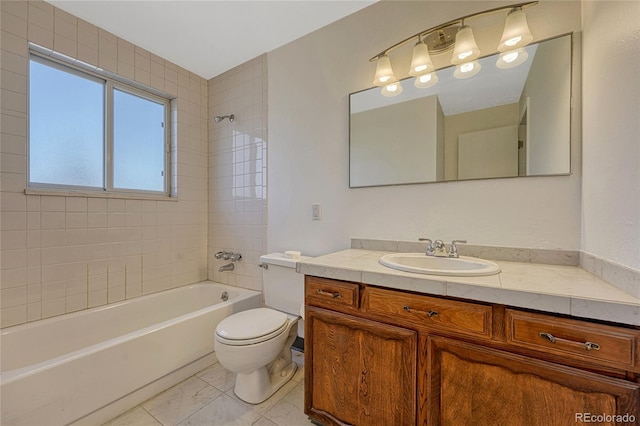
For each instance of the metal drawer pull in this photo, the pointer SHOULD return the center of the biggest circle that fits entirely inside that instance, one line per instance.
(587, 345)
(429, 314)
(328, 293)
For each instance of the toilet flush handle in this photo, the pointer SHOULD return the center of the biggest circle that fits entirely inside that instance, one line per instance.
(263, 265)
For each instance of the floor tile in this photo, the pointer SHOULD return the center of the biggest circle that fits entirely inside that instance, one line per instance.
(218, 376)
(264, 422)
(290, 410)
(179, 402)
(265, 406)
(223, 411)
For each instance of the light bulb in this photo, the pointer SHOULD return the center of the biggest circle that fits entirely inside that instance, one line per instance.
(466, 48)
(426, 80)
(384, 72)
(516, 32)
(421, 60)
(392, 89)
(512, 58)
(466, 70)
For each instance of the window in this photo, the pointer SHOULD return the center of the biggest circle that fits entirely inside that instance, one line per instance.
(91, 133)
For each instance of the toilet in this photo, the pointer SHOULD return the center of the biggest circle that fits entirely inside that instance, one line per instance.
(256, 343)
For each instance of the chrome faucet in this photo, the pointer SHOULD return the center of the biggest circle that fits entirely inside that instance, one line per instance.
(227, 267)
(430, 251)
(437, 248)
(453, 249)
(228, 255)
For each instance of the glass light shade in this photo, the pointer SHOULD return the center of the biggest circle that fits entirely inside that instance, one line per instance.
(426, 80)
(384, 72)
(421, 60)
(466, 70)
(466, 49)
(516, 32)
(392, 89)
(512, 58)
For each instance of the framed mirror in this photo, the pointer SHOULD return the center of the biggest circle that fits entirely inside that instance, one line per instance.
(499, 123)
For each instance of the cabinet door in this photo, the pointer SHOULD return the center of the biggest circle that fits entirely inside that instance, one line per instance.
(359, 372)
(472, 385)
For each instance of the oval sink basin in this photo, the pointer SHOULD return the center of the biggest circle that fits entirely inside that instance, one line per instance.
(422, 264)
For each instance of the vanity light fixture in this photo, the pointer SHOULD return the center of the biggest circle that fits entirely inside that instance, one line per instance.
(384, 72)
(466, 49)
(440, 39)
(421, 62)
(516, 32)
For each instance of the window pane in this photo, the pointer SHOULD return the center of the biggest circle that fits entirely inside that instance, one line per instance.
(138, 143)
(66, 127)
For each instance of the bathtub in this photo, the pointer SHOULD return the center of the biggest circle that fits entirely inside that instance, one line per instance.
(66, 369)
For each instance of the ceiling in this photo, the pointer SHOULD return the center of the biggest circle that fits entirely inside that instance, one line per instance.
(209, 37)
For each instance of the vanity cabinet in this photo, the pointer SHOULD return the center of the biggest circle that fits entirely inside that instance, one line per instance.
(392, 357)
(359, 372)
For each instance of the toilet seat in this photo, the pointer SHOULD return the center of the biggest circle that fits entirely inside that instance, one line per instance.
(251, 327)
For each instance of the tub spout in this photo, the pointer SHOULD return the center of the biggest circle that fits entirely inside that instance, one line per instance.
(228, 267)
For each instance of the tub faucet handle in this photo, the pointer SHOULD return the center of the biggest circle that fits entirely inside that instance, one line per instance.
(235, 257)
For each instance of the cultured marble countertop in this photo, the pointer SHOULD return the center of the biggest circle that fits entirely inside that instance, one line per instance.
(551, 288)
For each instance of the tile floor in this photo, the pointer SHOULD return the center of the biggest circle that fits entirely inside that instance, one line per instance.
(207, 398)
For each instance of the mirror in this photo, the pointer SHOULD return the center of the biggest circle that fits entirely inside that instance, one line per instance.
(498, 123)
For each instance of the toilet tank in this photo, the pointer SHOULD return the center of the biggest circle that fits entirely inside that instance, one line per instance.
(283, 287)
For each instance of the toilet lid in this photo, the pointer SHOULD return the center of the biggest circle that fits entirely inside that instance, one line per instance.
(251, 324)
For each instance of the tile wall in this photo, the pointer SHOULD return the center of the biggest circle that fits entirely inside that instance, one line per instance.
(61, 253)
(237, 172)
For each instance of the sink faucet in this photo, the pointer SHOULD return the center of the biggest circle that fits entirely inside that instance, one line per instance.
(430, 251)
(437, 248)
(453, 249)
(227, 267)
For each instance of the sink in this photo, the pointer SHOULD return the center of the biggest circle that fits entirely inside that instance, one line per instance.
(456, 267)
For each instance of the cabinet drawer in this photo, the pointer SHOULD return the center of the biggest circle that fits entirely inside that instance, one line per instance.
(429, 312)
(332, 294)
(602, 344)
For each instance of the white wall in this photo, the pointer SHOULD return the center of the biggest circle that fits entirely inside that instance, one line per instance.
(395, 144)
(309, 82)
(548, 147)
(611, 156)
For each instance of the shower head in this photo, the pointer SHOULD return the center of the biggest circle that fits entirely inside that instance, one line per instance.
(219, 118)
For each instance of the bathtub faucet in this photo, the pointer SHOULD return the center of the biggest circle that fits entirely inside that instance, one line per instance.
(227, 267)
(226, 255)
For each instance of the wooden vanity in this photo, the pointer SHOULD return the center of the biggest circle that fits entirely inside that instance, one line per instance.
(379, 356)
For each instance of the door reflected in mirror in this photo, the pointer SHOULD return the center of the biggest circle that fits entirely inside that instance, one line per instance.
(500, 123)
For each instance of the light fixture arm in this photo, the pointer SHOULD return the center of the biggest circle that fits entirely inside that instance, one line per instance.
(457, 21)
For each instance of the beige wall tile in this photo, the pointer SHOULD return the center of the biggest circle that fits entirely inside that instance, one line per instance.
(71, 253)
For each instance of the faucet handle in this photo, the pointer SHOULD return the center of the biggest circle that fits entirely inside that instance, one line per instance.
(430, 250)
(453, 249)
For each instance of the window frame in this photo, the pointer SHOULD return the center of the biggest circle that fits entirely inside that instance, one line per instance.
(109, 86)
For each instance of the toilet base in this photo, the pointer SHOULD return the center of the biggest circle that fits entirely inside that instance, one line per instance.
(259, 385)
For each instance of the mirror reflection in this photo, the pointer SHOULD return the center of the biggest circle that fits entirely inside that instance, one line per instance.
(498, 123)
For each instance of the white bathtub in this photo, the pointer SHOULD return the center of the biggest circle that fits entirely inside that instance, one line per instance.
(61, 370)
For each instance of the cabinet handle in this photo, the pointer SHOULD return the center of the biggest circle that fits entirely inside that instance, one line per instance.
(429, 314)
(328, 293)
(586, 345)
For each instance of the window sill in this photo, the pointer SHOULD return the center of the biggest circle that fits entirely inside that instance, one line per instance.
(96, 194)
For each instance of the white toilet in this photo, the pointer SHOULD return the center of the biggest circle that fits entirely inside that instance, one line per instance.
(256, 344)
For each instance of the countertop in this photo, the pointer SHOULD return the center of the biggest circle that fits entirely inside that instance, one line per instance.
(551, 288)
